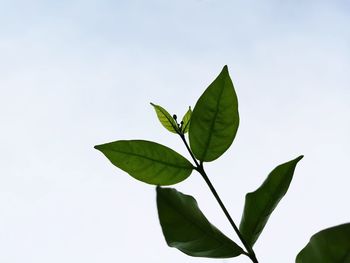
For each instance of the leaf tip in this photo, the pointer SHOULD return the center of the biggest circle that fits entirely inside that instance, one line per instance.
(225, 70)
(99, 147)
(299, 158)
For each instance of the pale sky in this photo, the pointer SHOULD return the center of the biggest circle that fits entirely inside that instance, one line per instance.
(74, 74)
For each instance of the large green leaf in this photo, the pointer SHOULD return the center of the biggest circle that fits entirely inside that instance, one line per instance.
(165, 118)
(260, 204)
(330, 245)
(215, 119)
(147, 161)
(187, 229)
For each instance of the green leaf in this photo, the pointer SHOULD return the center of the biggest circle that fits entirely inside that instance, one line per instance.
(187, 229)
(165, 119)
(260, 204)
(186, 121)
(147, 161)
(215, 119)
(330, 245)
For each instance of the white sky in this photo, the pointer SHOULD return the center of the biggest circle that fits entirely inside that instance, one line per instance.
(78, 73)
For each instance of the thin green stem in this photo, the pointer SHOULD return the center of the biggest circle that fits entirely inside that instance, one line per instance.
(199, 167)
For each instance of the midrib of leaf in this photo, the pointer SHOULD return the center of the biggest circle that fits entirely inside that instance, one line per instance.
(213, 122)
(151, 159)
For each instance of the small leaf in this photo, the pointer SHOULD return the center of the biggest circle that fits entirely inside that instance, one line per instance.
(260, 204)
(147, 161)
(330, 245)
(165, 118)
(215, 119)
(186, 121)
(187, 229)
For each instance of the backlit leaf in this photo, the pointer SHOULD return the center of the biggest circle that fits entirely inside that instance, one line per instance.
(147, 161)
(186, 121)
(331, 245)
(187, 229)
(215, 119)
(260, 204)
(165, 118)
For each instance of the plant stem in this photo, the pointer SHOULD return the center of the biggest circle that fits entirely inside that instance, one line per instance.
(199, 167)
(250, 251)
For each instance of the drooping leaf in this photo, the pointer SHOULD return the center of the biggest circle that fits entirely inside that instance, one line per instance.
(260, 204)
(186, 121)
(165, 118)
(215, 119)
(331, 245)
(187, 229)
(147, 161)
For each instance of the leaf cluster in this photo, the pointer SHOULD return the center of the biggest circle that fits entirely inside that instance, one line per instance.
(211, 128)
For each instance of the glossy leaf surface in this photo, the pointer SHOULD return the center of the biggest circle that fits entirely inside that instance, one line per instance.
(165, 118)
(187, 229)
(186, 121)
(215, 119)
(147, 161)
(331, 245)
(260, 204)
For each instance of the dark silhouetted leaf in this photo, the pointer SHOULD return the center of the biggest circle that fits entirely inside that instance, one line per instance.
(165, 118)
(147, 161)
(187, 229)
(215, 119)
(260, 204)
(331, 245)
(186, 121)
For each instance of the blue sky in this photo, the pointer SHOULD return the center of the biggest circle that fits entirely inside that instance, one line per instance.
(78, 73)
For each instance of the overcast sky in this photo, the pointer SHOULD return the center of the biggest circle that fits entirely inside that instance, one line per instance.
(78, 73)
